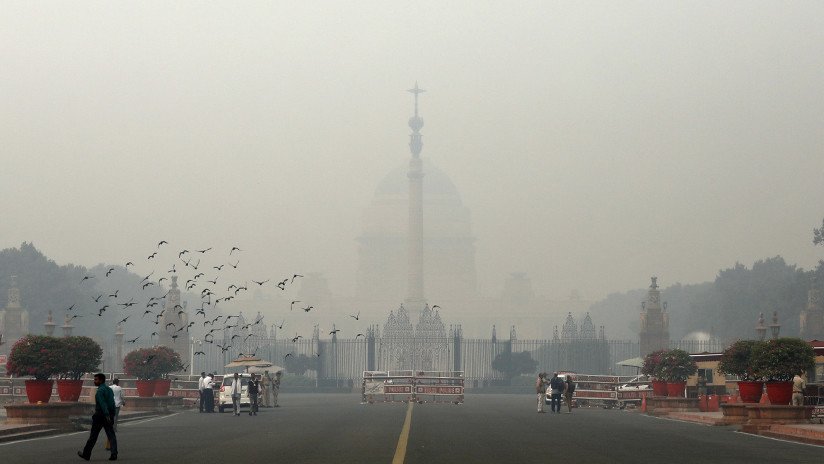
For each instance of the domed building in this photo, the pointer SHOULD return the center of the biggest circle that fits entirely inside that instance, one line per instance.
(448, 243)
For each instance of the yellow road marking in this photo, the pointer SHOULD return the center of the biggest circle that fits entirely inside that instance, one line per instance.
(400, 450)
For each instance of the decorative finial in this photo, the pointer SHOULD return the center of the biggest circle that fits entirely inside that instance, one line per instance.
(654, 282)
(416, 123)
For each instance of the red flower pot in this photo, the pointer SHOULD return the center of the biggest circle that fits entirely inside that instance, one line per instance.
(69, 390)
(750, 392)
(676, 389)
(145, 388)
(39, 391)
(162, 387)
(780, 392)
(659, 388)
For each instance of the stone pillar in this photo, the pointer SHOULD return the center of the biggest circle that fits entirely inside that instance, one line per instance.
(49, 325)
(117, 365)
(67, 327)
(415, 301)
(812, 317)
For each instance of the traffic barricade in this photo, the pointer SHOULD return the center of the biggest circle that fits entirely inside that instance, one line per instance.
(439, 387)
(387, 387)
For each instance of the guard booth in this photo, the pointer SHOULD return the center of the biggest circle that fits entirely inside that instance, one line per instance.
(406, 386)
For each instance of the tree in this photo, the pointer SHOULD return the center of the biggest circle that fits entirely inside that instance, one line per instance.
(818, 235)
(513, 364)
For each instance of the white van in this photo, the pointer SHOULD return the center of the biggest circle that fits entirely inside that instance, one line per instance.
(225, 396)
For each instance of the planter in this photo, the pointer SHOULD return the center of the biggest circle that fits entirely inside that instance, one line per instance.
(145, 388)
(780, 393)
(69, 390)
(750, 392)
(676, 389)
(162, 387)
(39, 391)
(659, 388)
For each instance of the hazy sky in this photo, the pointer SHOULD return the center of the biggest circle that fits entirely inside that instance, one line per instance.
(596, 143)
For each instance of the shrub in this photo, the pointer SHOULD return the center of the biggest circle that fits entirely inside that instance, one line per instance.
(652, 361)
(152, 363)
(82, 355)
(676, 366)
(37, 356)
(737, 360)
(780, 359)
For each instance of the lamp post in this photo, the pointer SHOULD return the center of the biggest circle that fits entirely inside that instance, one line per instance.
(192, 354)
(775, 327)
(761, 329)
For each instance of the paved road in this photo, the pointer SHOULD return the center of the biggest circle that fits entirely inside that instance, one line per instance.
(487, 429)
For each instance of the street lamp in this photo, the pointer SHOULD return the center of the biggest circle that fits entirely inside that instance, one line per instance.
(192, 355)
(761, 329)
(775, 327)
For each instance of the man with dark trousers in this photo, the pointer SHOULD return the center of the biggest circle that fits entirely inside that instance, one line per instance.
(103, 418)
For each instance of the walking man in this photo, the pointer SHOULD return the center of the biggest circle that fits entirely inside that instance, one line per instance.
(540, 389)
(103, 418)
(569, 389)
(799, 385)
(556, 387)
(235, 389)
(252, 390)
(201, 388)
(119, 401)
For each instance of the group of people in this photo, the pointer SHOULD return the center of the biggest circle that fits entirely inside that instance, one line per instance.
(260, 389)
(557, 387)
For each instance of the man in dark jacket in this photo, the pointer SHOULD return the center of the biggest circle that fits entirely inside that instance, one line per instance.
(556, 386)
(103, 418)
(252, 389)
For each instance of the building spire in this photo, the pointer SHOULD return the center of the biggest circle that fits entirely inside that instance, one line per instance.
(416, 123)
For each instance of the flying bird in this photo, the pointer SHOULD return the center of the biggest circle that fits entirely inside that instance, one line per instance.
(147, 284)
(152, 255)
(296, 338)
(129, 264)
(133, 340)
(114, 295)
(234, 249)
(102, 310)
(85, 278)
(334, 331)
(198, 353)
(356, 316)
(234, 266)
(435, 306)
(281, 324)
(359, 335)
(204, 251)
(308, 308)
(162, 242)
(287, 355)
(111, 269)
(293, 278)
(292, 306)
(172, 270)
(261, 283)
(218, 267)
(97, 299)
(124, 319)
(70, 308)
(182, 253)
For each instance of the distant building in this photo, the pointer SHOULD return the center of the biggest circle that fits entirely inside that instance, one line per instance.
(654, 333)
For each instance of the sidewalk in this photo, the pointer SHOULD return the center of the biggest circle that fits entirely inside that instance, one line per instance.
(811, 433)
(16, 432)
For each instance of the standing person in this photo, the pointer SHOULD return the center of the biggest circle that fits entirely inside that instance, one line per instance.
(266, 389)
(103, 418)
(119, 401)
(201, 391)
(799, 385)
(252, 390)
(569, 389)
(276, 388)
(540, 389)
(235, 389)
(209, 393)
(556, 386)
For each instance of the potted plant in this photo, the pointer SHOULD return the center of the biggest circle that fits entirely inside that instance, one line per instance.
(149, 366)
(652, 362)
(737, 360)
(141, 365)
(676, 366)
(82, 355)
(167, 361)
(37, 356)
(779, 360)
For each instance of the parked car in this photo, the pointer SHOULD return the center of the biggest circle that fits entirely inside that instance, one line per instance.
(225, 397)
(640, 383)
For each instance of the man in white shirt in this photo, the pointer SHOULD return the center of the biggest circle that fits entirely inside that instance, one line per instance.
(209, 393)
(235, 390)
(201, 389)
(119, 400)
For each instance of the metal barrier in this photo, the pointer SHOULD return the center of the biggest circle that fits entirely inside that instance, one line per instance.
(406, 386)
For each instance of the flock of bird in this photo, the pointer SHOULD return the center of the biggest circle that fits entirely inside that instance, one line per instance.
(194, 265)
